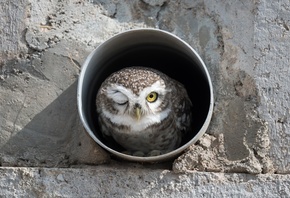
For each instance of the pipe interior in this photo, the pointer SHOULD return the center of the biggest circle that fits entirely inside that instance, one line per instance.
(168, 60)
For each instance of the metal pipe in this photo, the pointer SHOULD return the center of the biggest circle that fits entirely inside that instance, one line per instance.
(151, 48)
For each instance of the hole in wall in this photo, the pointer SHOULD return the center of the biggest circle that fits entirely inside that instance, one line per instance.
(165, 59)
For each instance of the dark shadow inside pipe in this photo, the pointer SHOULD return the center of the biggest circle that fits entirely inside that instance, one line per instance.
(167, 60)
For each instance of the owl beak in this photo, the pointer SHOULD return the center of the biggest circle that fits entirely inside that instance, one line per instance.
(138, 113)
(137, 108)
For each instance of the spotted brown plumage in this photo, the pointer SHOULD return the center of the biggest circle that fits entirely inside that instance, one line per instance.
(144, 110)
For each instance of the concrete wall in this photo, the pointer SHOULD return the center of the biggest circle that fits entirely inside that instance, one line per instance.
(129, 181)
(243, 43)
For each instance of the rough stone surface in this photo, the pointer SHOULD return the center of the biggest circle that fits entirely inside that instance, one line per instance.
(120, 181)
(244, 45)
(209, 154)
(272, 76)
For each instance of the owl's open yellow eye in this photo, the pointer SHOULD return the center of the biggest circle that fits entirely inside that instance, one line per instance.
(152, 97)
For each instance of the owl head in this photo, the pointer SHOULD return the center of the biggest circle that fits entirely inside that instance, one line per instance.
(135, 97)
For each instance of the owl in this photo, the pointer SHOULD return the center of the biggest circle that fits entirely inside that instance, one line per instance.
(143, 110)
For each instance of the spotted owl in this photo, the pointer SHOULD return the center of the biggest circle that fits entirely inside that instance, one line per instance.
(144, 110)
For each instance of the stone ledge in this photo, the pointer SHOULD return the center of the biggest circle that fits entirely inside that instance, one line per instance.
(123, 181)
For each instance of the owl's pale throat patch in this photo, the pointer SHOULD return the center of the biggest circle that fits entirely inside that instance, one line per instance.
(130, 122)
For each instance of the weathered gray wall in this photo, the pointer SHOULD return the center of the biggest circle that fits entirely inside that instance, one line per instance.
(124, 181)
(243, 43)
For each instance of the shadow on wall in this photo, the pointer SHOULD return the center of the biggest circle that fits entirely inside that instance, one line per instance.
(54, 137)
